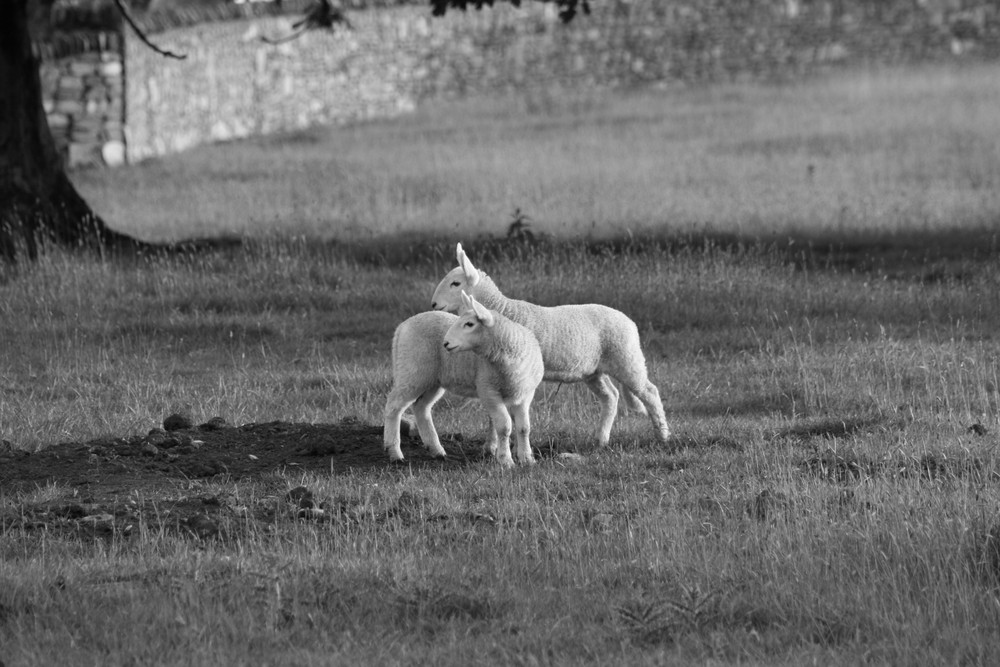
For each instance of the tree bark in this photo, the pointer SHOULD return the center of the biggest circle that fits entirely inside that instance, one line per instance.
(38, 202)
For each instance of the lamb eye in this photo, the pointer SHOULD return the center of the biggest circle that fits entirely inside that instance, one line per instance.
(456, 284)
(468, 324)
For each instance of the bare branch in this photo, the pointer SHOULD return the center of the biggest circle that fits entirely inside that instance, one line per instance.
(324, 15)
(142, 36)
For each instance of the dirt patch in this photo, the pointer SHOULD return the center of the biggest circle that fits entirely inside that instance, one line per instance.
(215, 449)
(117, 483)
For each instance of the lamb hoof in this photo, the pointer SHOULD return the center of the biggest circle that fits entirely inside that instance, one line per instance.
(528, 460)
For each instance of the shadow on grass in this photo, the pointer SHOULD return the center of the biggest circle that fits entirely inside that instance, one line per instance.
(832, 427)
(686, 441)
(928, 256)
(782, 403)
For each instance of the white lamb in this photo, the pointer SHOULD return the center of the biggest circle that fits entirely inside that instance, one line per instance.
(421, 372)
(580, 343)
(478, 354)
(509, 369)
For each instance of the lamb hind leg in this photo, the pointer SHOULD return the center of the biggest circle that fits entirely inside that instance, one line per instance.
(632, 402)
(607, 394)
(492, 440)
(395, 404)
(650, 397)
(425, 422)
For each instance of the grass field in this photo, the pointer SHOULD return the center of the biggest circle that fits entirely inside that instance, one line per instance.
(824, 500)
(880, 151)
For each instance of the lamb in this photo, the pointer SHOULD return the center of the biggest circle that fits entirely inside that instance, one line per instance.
(509, 369)
(580, 343)
(436, 351)
(421, 372)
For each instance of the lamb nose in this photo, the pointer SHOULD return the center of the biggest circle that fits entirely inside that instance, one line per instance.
(434, 305)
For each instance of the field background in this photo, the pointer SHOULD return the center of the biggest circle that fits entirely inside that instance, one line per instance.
(813, 271)
(869, 152)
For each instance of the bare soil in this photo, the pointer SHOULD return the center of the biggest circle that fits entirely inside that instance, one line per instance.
(112, 483)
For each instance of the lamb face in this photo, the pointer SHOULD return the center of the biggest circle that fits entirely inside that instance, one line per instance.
(461, 279)
(469, 332)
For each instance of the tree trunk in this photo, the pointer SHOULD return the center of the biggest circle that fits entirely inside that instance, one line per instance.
(38, 203)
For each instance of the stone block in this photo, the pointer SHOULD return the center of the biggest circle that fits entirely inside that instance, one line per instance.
(58, 121)
(68, 107)
(97, 107)
(96, 91)
(82, 154)
(82, 68)
(111, 69)
(70, 83)
(113, 153)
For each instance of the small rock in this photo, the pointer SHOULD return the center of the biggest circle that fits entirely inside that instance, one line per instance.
(301, 496)
(171, 441)
(214, 424)
(73, 511)
(148, 449)
(156, 437)
(978, 429)
(313, 513)
(202, 526)
(177, 422)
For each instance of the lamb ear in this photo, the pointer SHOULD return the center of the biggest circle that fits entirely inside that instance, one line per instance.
(471, 272)
(467, 301)
(483, 314)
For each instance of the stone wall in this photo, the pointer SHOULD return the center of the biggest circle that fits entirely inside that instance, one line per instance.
(83, 97)
(233, 84)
